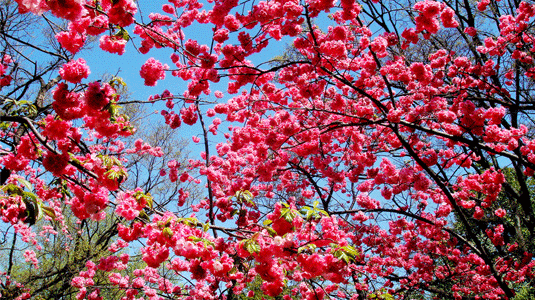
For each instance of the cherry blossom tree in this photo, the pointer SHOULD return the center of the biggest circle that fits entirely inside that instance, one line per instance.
(388, 155)
(63, 256)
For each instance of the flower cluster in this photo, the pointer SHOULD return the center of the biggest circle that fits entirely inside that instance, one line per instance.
(5, 79)
(74, 71)
(152, 71)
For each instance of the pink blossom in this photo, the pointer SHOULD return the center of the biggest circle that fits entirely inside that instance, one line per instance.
(500, 212)
(478, 213)
(74, 71)
(56, 129)
(429, 8)
(447, 18)
(168, 9)
(71, 40)
(431, 25)
(37, 7)
(221, 35)
(471, 31)
(67, 9)
(421, 183)
(112, 44)
(189, 115)
(172, 119)
(334, 48)
(210, 112)
(121, 12)
(482, 5)
(97, 25)
(231, 23)
(56, 163)
(421, 72)
(128, 206)
(12, 209)
(98, 95)
(152, 71)
(68, 105)
(378, 46)
(410, 35)
(155, 254)
(366, 202)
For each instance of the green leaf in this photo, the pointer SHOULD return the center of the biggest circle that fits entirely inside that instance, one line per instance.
(124, 34)
(192, 221)
(139, 196)
(144, 216)
(307, 247)
(28, 196)
(344, 257)
(113, 110)
(244, 197)
(117, 81)
(386, 296)
(271, 231)
(347, 253)
(194, 239)
(288, 214)
(39, 211)
(305, 209)
(167, 232)
(251, 245)
(49, 212)
(12, 189)
(150, 200)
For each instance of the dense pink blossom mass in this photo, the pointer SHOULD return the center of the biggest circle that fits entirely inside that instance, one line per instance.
(387, 151)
